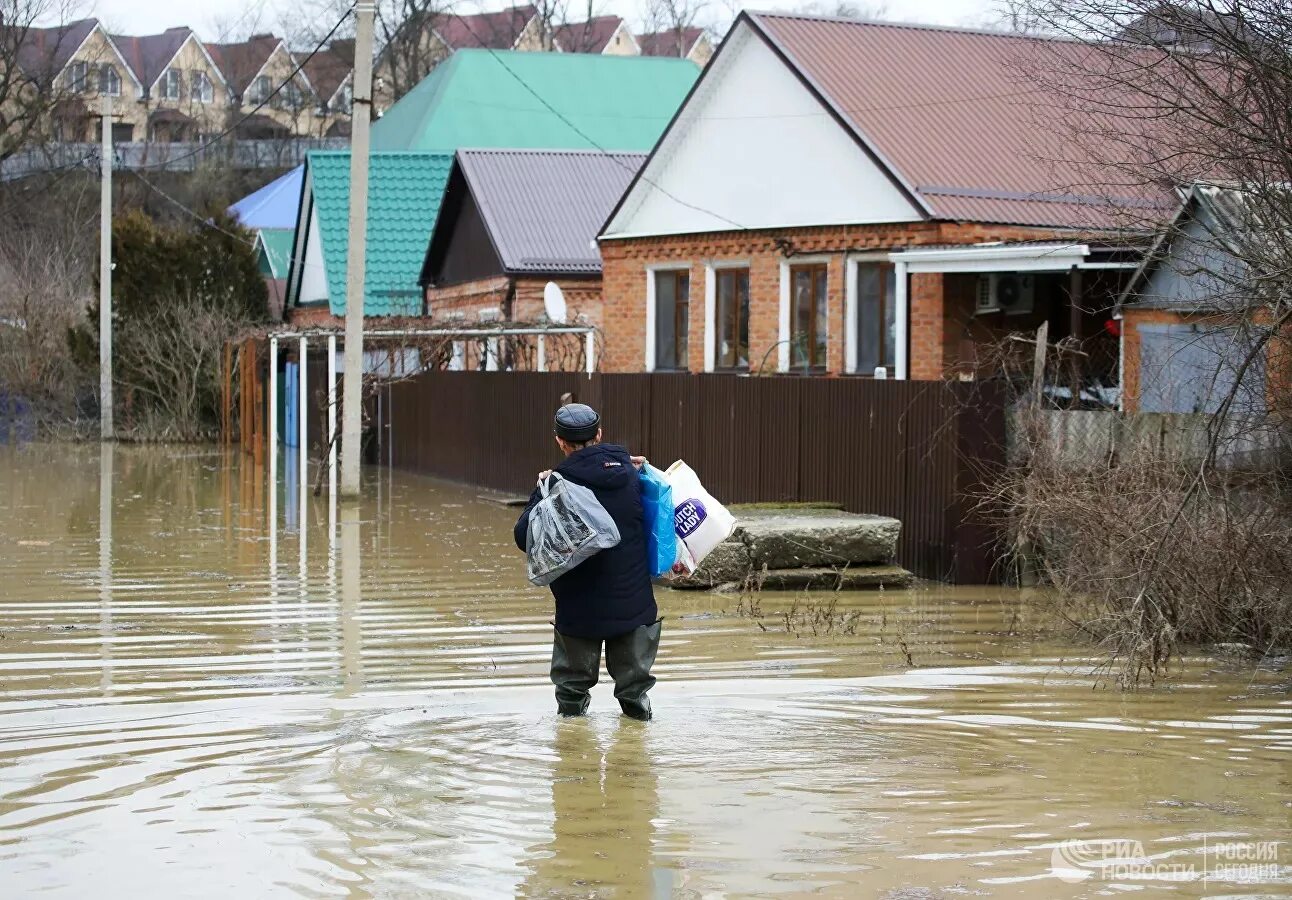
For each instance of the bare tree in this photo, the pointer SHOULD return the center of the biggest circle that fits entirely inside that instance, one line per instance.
(178, 350)
(1158, 547)
(46, 256)
(675, 17)
(35, 43)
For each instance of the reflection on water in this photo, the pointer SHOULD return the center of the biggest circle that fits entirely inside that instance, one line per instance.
(359, 706)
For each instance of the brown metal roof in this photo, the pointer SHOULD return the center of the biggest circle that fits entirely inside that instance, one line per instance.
(150, 54)
(673, 42)
(543, 208)
(953, 116)
(591, 36)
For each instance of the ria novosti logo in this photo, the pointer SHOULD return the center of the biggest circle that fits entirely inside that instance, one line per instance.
(1115, 859)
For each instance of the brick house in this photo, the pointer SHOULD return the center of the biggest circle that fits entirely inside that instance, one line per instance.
(74, 66)
(185, 95)
(253, 69)
(512, 221)
(839, 197)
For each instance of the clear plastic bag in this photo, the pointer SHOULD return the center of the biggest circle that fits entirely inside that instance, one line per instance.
(566, 526)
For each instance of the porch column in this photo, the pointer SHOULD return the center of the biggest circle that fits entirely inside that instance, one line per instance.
(902, 300)
(1075, 300)
(302, 443)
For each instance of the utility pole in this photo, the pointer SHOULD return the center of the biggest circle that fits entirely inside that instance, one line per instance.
(106, 431)
(360, 117)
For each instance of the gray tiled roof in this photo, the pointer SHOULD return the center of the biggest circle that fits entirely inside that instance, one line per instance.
(543, 208)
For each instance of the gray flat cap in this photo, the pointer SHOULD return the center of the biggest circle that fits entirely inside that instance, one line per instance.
(577, 423)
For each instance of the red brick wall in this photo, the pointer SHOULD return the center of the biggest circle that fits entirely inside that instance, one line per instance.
(468, 300)
(625, 264)
(1278, 360)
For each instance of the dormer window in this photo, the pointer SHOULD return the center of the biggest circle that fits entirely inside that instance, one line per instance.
(109, 81)
(171, 84)
(77, 76)
(203, 89)
(259, 91)
(289, 97)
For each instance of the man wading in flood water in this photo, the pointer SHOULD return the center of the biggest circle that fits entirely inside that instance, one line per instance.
(608, 597)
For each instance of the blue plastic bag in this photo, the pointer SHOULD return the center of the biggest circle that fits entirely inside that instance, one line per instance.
(657, 508)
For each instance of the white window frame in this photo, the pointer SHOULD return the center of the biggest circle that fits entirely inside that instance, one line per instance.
(207, 93)
(105, 80)
(257, 96)
(851, 311)
(650, 306)
(166, 84)
(783, 335)
(78, 76)
(711, 270)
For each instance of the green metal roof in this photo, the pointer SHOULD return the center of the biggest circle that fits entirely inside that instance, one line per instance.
(275, 251)
(476, 99)
(404, 193)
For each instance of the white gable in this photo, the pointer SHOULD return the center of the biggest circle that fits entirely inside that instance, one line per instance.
(308, 280)
(753, 148)
(314, 274)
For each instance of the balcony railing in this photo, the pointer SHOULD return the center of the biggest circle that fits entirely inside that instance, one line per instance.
(283, 153)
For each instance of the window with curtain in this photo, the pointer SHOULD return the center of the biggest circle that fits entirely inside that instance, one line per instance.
(733, 318)
(672, 323)
(876, 318)
(808, 317)
(203, 89)
(109, 81)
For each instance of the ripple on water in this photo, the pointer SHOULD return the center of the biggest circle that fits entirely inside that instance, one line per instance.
(179, 717)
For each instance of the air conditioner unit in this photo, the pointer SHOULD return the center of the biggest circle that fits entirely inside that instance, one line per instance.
(1008, 292)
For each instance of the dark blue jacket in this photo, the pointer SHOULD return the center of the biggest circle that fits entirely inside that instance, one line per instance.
(610, 592)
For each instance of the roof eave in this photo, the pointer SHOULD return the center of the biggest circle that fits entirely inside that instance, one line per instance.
(121, 56)
(632, 185)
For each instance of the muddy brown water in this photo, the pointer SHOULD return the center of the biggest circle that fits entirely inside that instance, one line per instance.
(190, 710)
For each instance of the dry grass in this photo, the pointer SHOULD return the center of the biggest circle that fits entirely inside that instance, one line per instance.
(1150, 554)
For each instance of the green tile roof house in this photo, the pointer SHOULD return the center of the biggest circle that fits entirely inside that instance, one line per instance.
(476, 99)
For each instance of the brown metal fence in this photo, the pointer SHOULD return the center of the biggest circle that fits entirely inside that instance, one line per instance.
(911, 450)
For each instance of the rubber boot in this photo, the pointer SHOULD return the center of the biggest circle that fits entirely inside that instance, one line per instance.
(575, 664)
(629, 658)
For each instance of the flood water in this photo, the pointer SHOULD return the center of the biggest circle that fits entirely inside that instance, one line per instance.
(191, 709)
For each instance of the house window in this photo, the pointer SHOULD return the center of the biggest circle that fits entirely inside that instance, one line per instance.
(259, 90)
(672, 318)
(203, 90)
(77, 76)
(170, 84)
(109, 81)
(733, 318)
(289, 98)
(876, 318)
(345, 98)
(808, 316)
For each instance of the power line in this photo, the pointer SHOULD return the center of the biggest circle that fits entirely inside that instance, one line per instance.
(291, 77)
(638, 173)
(208, 222)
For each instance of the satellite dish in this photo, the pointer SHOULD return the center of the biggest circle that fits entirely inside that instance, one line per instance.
(554, 303)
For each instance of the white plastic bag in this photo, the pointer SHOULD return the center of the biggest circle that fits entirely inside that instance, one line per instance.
(700, 521)
(566, 526)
